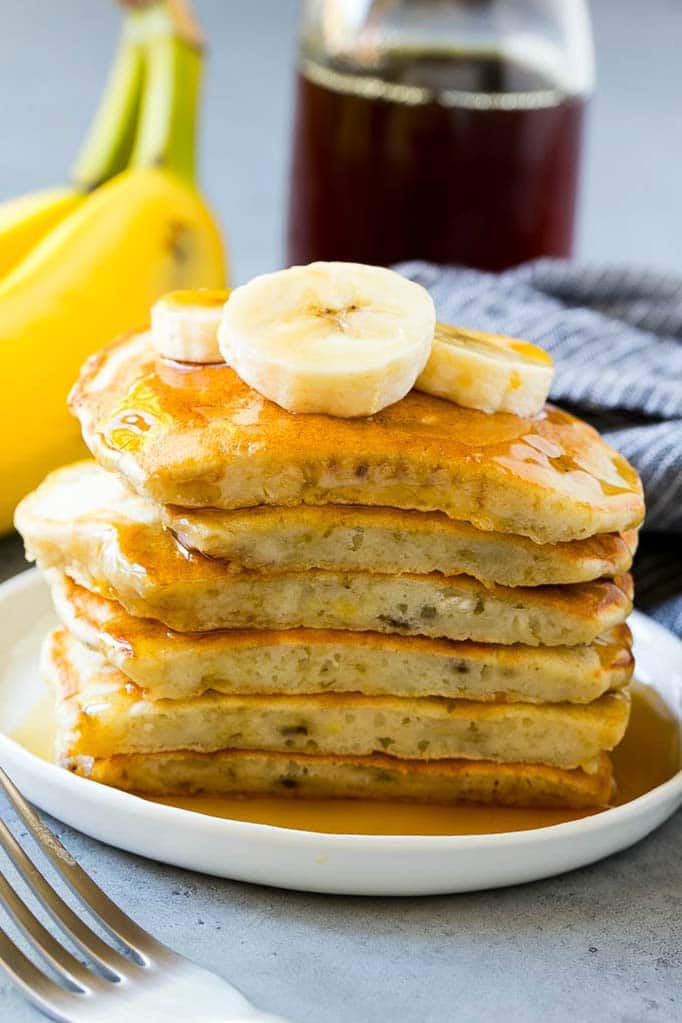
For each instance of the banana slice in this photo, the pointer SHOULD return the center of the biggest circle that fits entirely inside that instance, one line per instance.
(487, 371)
(340, 338)
(185, 325)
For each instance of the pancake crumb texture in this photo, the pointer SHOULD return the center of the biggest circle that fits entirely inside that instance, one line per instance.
(174, 665)
(152, 578)
(297, 776)
(101, 714)
(427, 604)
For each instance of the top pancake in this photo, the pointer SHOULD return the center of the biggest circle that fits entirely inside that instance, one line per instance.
(199, 437)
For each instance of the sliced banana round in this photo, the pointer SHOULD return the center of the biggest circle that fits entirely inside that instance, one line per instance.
(339, 338)
(185, 325)
(488, 372)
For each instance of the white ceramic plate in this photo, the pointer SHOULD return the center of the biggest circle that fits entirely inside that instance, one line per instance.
(311, 861)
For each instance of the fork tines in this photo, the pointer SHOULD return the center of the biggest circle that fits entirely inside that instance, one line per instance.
(75, 978)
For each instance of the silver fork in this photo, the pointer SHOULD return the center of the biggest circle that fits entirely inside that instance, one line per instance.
(150, 983)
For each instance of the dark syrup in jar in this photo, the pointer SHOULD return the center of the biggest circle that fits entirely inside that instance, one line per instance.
(468, 158)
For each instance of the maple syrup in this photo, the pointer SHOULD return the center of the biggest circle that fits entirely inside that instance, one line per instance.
(466, 158)
(151, 399)
(648, 756)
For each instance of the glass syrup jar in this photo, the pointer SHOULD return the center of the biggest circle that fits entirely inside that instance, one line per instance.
(447, 130)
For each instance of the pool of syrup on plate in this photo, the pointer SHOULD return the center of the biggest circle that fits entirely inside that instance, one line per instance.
(648, 755)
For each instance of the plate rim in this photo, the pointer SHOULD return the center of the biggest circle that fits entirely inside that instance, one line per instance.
(650, 800)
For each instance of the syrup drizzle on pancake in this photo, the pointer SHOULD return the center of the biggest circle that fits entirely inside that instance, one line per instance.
(648, 756)
(165, 392)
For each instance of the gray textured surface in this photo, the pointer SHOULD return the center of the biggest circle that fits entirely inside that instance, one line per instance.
(604, 943)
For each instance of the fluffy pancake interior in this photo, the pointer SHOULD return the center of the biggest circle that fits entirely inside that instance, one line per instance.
(182, 665)
(378, 777)
(101, 714)
(194, 593)
(388, 540)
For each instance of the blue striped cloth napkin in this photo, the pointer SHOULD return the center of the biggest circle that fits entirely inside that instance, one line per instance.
(615, 335)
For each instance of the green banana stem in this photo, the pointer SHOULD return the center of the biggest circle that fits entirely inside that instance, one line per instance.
(167, 127)
(111, 137)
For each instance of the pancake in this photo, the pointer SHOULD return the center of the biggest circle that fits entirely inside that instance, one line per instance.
(457, 608)
(175, 665)
(349, 538)
(94, 509)
(152, 577)
(100, 713)
(245, 773)
(199, 437)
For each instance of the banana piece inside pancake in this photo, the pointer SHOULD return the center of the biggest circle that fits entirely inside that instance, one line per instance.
(175, 665)
(151, 576)
(101, 714)
(377, 777)
(200, 437)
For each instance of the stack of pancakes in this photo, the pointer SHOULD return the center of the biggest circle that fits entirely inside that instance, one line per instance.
(428, 604)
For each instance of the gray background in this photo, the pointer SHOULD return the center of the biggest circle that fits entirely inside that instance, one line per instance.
(52, 55)
(601, 943)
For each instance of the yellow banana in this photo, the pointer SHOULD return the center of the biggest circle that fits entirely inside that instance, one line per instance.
(24, 221)
(27, 219)
(111, 137)
(94, 276)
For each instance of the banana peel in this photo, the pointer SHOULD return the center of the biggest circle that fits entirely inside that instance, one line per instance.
(111, 137)
(95, 276)
(96, 273)
(27, 219)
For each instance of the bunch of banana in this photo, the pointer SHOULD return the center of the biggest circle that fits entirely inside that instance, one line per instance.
(81, 264)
